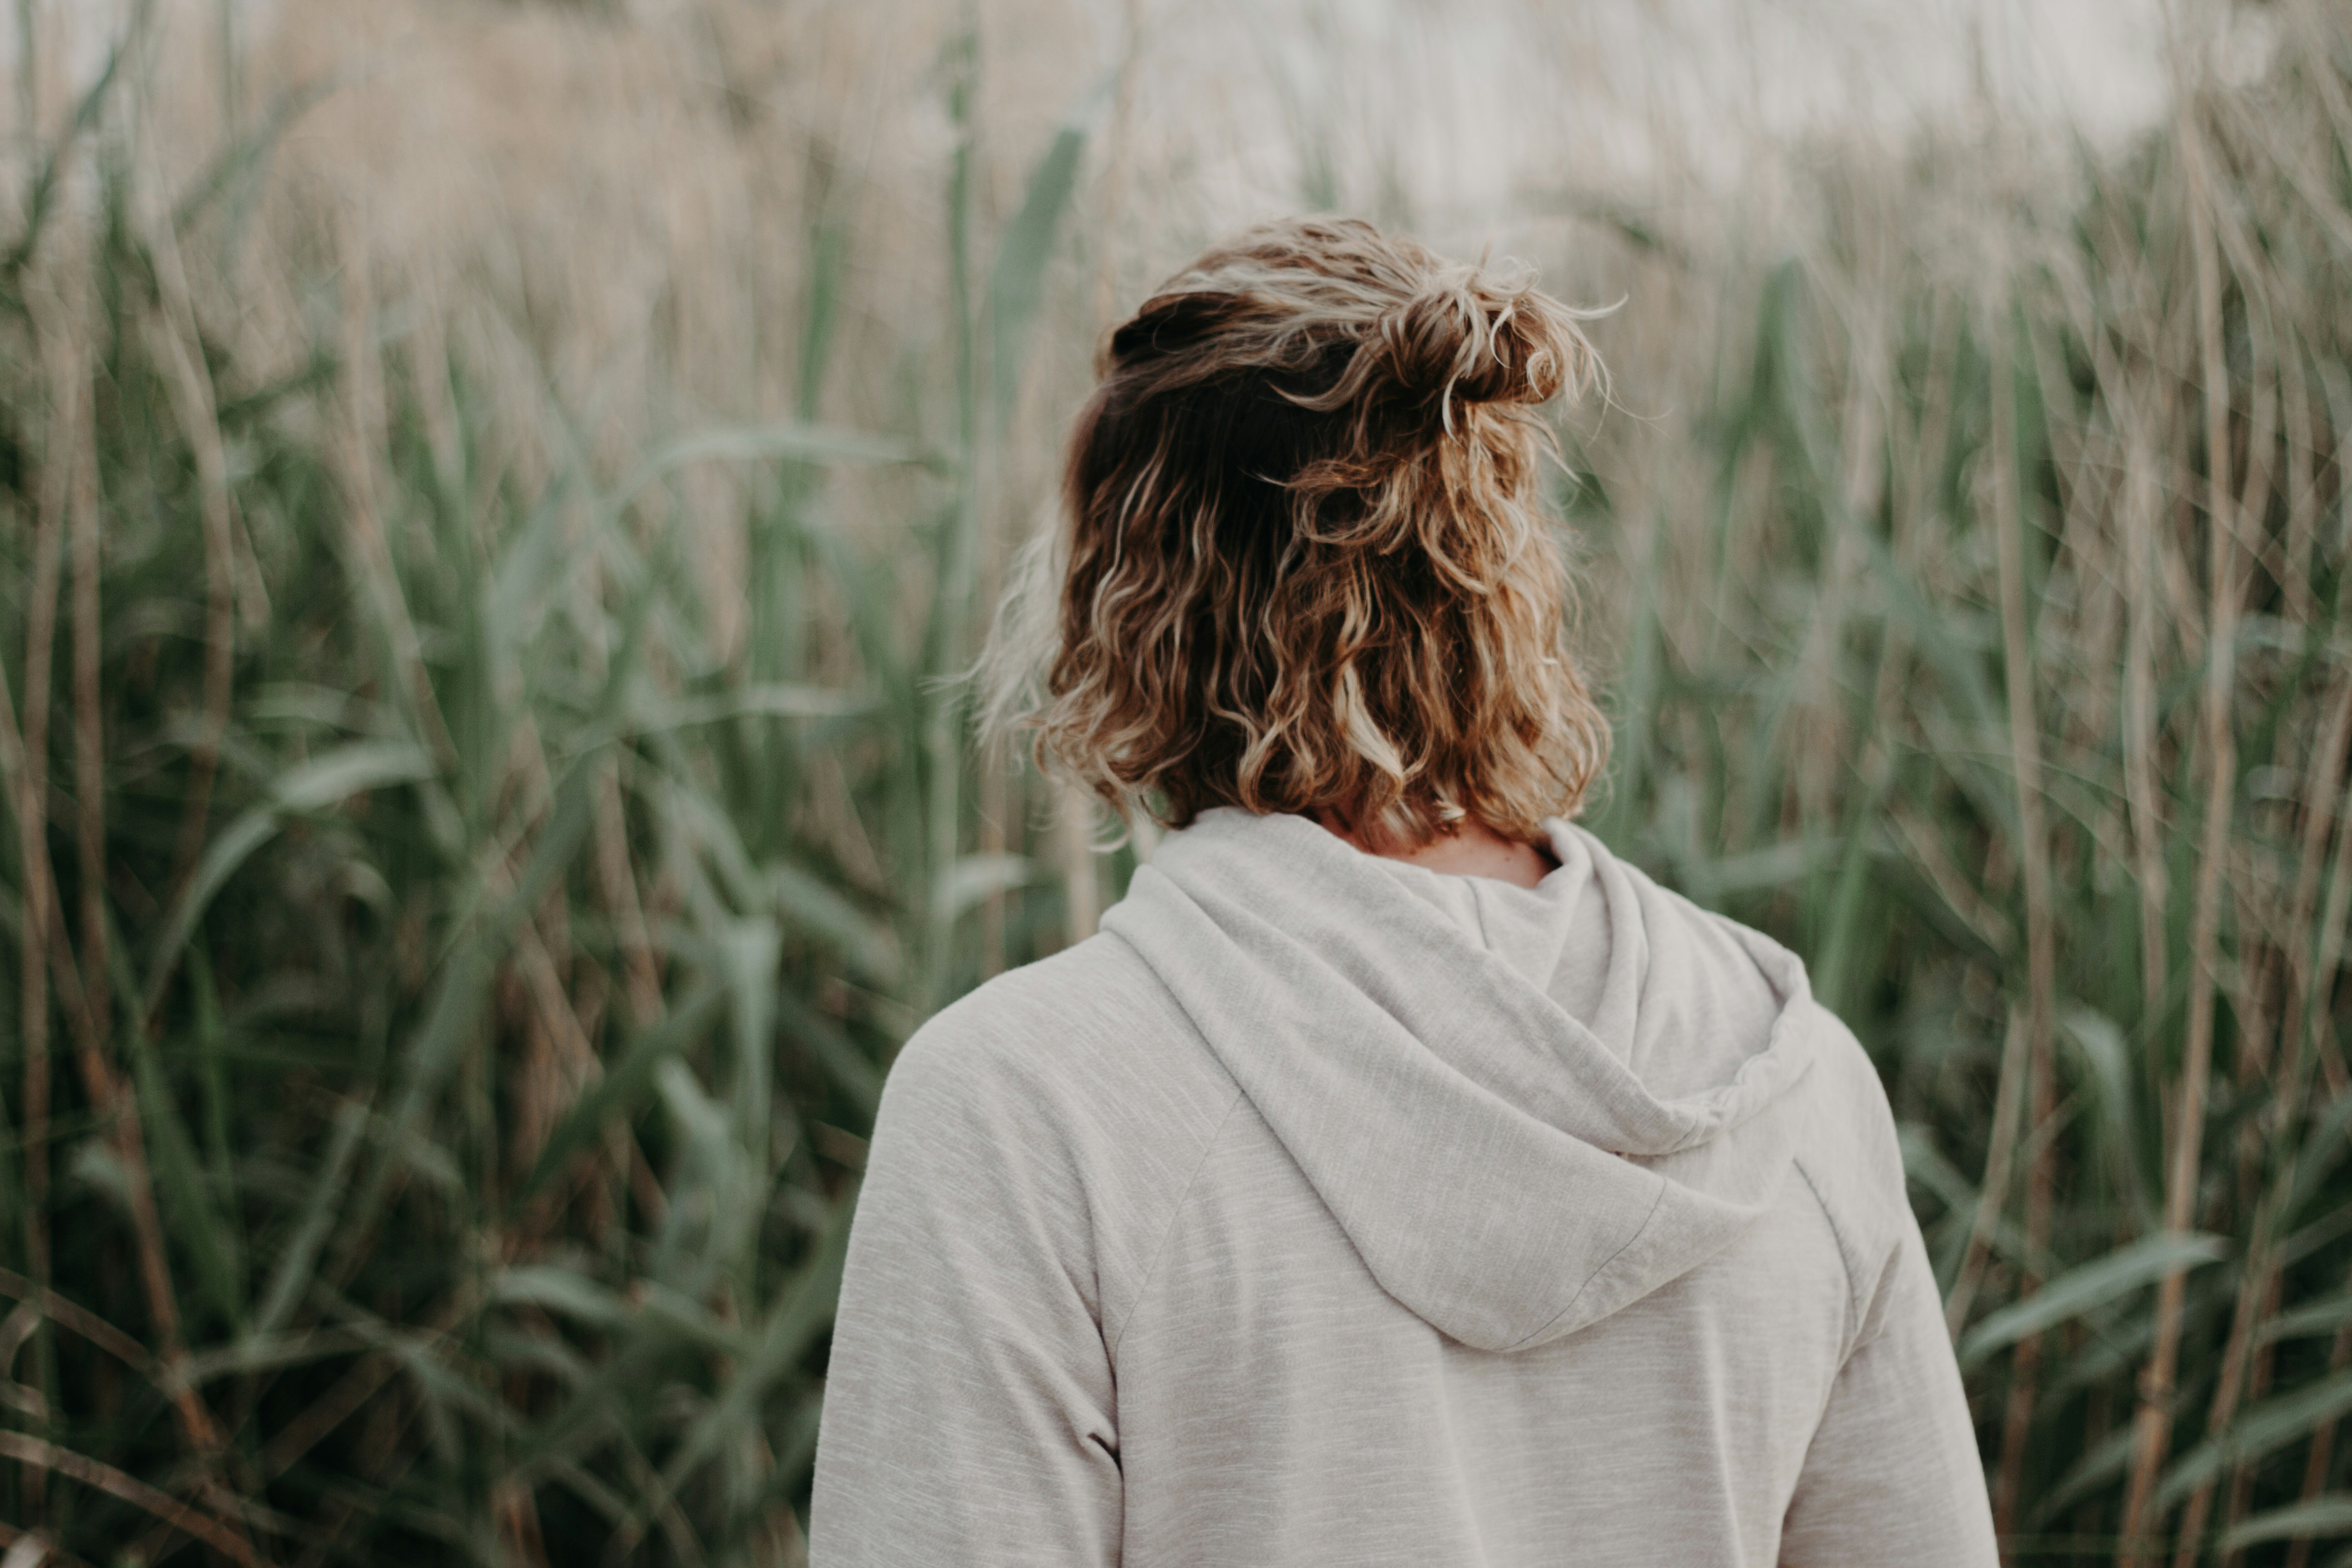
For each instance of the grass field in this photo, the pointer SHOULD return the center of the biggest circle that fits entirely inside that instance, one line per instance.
(492, 499)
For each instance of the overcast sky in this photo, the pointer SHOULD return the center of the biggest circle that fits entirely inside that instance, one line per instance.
(1471, 105)
(1475, 99)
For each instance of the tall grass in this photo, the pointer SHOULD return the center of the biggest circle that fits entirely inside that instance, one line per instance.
(486, 800)
(1988, 638)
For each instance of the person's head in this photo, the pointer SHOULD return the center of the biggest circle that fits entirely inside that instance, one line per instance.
(1305, 563)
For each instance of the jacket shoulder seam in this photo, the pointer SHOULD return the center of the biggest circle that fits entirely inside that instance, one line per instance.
(1855, 1304)
(1168, 1231)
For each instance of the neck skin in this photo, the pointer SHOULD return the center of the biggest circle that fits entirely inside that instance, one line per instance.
(1470, 849)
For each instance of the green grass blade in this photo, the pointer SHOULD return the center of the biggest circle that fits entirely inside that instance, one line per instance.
(1023, 252)
(2100, 1283)
(2316, 1519)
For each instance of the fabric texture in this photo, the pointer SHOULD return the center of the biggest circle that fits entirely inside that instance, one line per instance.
(1324, 1209)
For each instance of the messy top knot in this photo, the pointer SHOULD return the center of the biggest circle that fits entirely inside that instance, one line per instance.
(1392, 321)
(1466, 335)
(1305, 563)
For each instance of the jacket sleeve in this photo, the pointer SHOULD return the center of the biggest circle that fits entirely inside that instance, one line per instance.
(969, 1414)
(1892, 1476)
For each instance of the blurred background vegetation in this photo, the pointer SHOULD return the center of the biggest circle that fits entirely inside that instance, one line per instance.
(491, 495)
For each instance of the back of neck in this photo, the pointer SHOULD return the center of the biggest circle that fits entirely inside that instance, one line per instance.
(1470, 849)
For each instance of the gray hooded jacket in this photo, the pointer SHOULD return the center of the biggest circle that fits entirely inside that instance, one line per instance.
(1329, 1210)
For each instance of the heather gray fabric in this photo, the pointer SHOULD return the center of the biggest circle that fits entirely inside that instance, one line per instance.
(1328, 1210)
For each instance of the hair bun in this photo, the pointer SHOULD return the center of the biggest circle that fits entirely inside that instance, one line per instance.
(1468, 336)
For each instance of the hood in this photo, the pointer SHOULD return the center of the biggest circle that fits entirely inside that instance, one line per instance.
(1509, 1169)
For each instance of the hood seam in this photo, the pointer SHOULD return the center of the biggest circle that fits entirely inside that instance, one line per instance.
(1656, 1199)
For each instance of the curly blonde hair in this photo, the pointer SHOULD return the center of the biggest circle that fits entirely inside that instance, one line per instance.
(1305, 562)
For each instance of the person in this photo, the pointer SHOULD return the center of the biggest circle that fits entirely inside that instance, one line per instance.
(1397, 1177)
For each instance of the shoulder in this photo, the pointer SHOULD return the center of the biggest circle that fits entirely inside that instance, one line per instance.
(1853, 1104)
(1073, 1091)
(1852, 1159)
(1853, 1144)
(1079, 1035)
